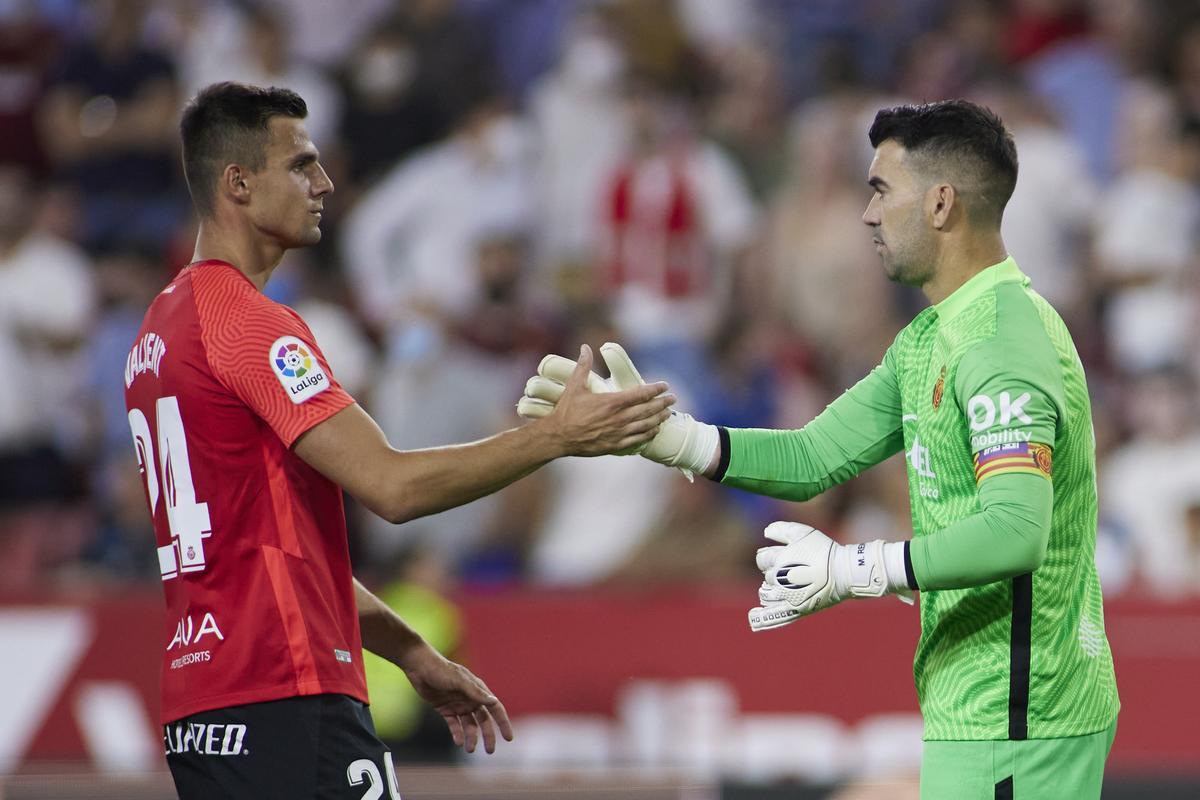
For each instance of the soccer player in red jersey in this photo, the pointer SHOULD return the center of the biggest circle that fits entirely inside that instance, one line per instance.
(245, 442)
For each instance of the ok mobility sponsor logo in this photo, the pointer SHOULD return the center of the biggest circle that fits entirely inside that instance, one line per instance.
(205, 740)
(1000, 437)
(983, 412)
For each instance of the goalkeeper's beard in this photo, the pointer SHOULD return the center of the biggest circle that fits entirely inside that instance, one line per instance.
(910, 266)
(907, 249)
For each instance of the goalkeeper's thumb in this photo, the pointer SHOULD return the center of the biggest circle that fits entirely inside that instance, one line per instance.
(682, 441)
(621, 370)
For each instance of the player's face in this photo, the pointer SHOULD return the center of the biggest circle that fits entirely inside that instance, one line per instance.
(897, 219)
(289, 191)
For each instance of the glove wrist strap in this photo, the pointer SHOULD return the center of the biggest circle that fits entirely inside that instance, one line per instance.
(872, 569)
(893, 561)
(695, 451)
(868, 577)
(699, 446)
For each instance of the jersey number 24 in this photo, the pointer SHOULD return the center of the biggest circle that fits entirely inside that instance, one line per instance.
(187, 519)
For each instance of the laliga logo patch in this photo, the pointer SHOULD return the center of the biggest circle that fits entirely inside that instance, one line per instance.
(297, 369)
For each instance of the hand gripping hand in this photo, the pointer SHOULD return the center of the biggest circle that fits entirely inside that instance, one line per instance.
(682, 442)
(808, 571)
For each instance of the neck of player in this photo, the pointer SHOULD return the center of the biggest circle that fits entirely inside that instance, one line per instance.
(243, 247)
(960, 257)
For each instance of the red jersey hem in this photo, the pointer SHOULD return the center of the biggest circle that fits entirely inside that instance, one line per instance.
(261, 695)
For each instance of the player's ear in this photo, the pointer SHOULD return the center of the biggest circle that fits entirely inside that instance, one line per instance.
(234, 183)
(940, 202)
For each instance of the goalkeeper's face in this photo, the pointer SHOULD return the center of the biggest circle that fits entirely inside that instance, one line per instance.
(896, 215)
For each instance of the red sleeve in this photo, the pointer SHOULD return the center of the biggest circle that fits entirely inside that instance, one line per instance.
(264, 354)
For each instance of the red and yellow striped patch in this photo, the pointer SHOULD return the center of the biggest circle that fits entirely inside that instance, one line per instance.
(1004, 459)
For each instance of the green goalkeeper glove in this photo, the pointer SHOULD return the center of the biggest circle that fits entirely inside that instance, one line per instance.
(682, 442)
(808, 571)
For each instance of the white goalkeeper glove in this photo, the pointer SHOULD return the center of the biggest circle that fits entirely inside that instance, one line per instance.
(808, 571)
(682, 441)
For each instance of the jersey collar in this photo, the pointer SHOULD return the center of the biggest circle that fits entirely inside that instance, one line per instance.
(1004, 272)
(218, 262)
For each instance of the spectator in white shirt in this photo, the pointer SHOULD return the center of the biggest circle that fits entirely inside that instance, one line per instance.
(1150, 485)
(1047, 220)
(408, 245)
(576, 112)
(1147, 231)
(46, 306)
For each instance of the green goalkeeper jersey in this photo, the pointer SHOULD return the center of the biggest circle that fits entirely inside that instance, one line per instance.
(986, 396)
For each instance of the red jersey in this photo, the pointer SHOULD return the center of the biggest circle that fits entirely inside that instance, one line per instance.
(251, 540)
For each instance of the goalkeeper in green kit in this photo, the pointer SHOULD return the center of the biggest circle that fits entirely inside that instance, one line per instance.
(985, 394)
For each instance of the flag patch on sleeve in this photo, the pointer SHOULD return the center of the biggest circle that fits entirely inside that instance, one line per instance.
(1013, 457)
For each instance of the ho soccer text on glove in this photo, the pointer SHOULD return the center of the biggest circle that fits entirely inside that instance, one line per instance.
(682, 441)
(807, 571)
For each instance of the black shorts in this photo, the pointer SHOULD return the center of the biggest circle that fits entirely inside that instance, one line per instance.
(300, 748)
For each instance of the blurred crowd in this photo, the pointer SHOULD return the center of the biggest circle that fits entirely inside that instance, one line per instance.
(516, 177)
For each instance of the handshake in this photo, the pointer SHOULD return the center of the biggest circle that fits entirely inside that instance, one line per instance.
(680, 442)
(805, 573)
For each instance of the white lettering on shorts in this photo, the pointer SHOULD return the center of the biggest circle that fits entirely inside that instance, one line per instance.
(205, 739)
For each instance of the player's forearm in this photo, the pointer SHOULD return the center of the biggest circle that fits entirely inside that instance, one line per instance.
(384, 633)
(350, 450)
(415, 483)
(1007, 538)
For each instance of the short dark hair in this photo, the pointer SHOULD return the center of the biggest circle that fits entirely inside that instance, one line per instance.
(969, 137)
(226, 123)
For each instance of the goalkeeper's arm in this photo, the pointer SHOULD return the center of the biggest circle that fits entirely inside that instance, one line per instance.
(811, 572)
(858, 430)
(1009, 536)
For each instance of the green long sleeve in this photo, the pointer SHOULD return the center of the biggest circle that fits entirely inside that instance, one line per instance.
(858, 430)
(1008, 537)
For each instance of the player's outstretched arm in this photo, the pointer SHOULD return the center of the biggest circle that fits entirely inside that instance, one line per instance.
(858, 430)
(464, 701)
(682, 441)
(807, 571)
(351, 450)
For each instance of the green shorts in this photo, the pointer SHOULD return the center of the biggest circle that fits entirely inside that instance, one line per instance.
(1030, 769)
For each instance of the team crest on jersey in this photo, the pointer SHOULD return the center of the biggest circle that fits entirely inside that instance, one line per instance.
(1042, 457)
(297, 369)
(939, 388)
